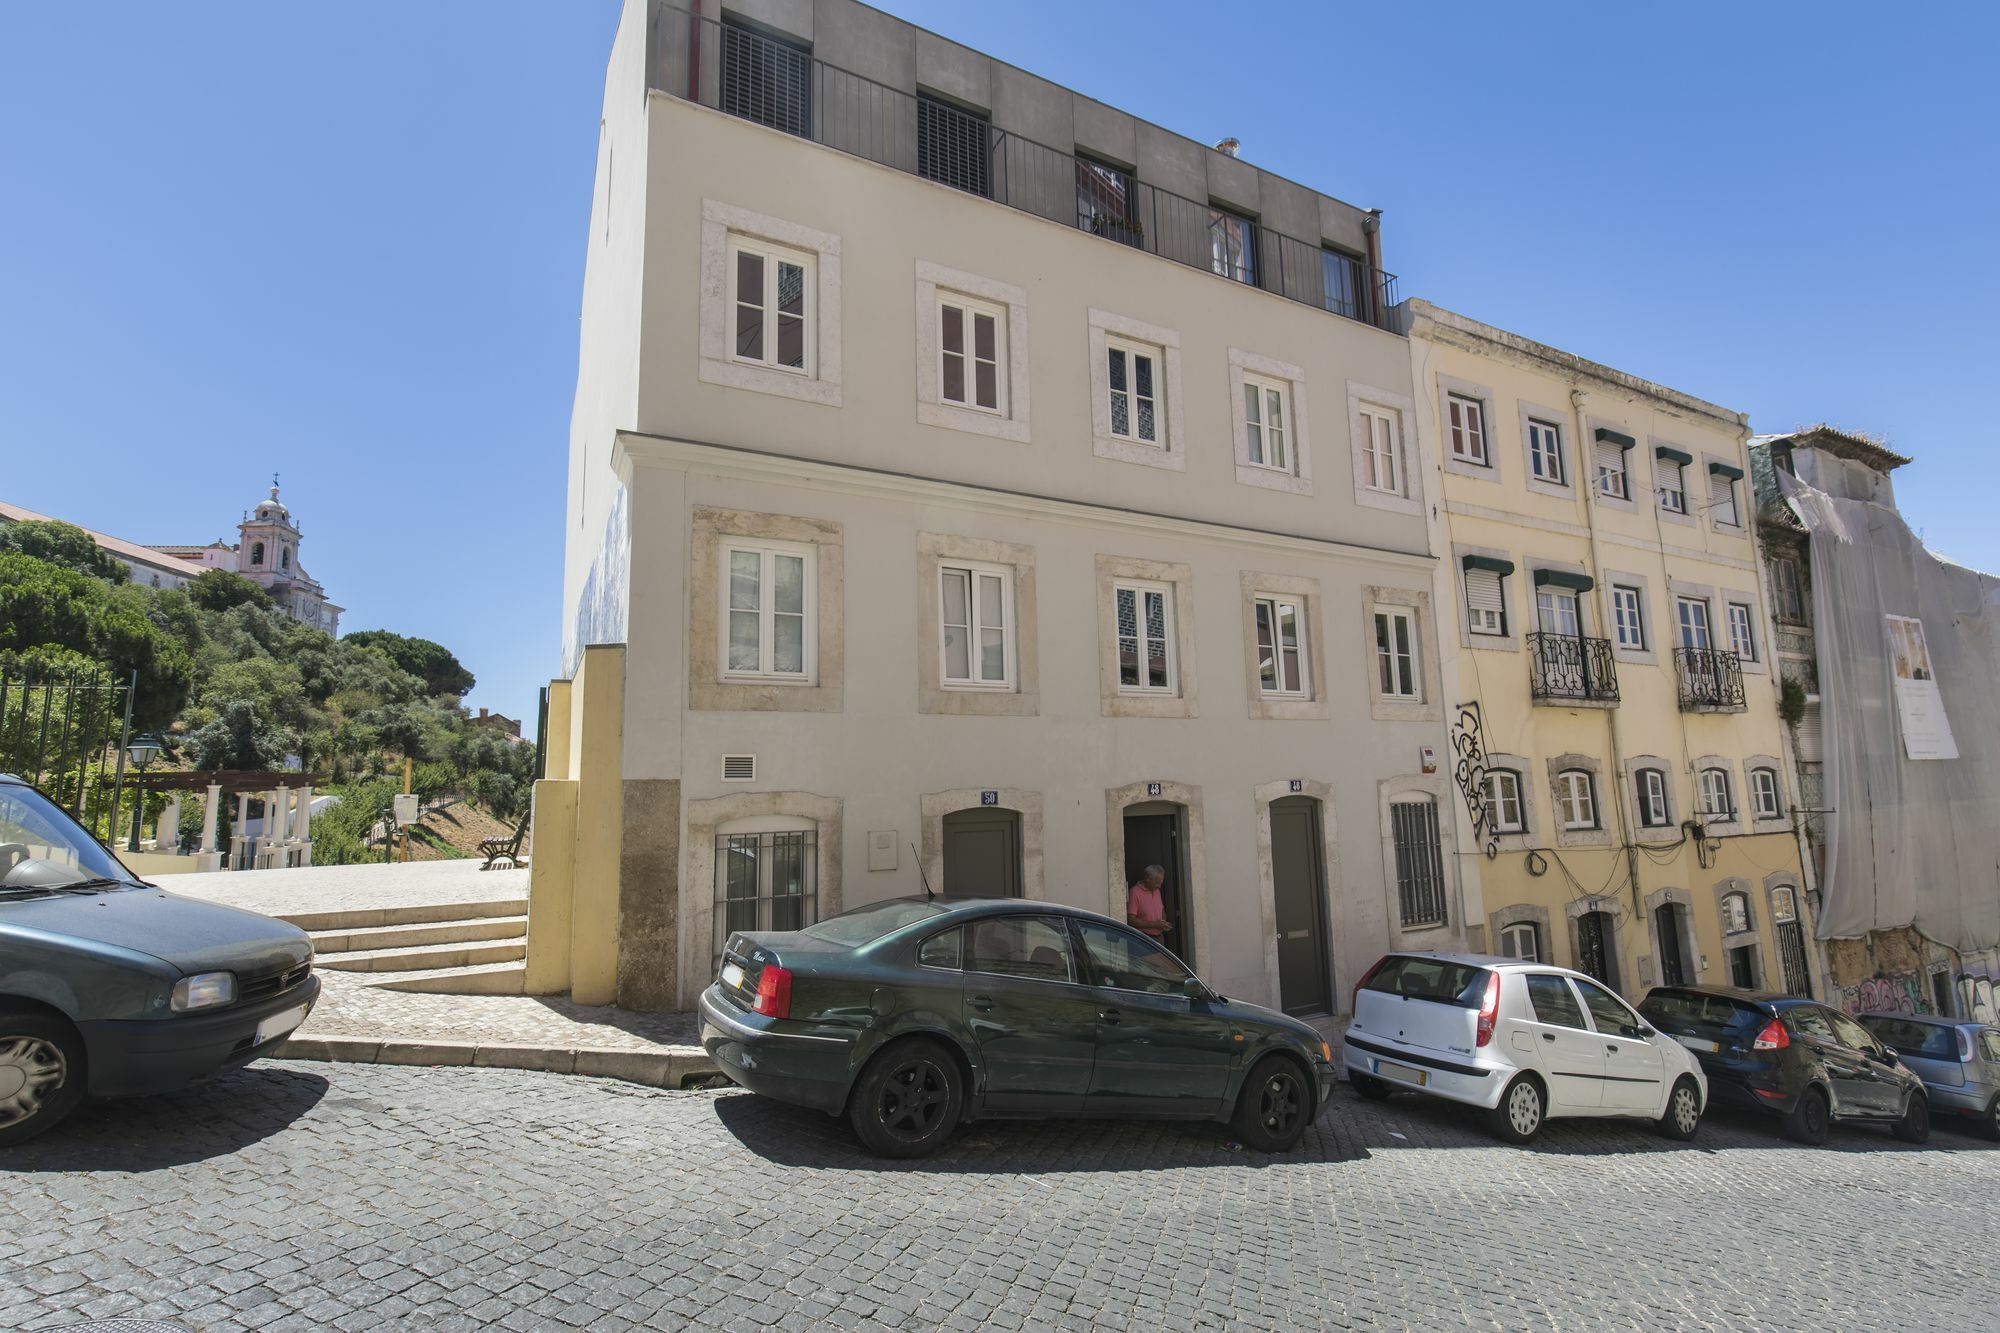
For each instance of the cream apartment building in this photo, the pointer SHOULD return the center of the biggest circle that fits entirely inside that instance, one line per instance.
(1624, 781)
(974, 485)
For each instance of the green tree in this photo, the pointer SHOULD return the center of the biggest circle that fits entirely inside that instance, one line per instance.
(42, 603)
(429, 662)
(63, 544)
(220, 590)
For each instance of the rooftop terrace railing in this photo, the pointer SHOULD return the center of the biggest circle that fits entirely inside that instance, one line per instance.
(780, 84)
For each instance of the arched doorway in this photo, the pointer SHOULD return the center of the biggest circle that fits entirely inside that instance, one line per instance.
(982, 853)
(1298, 898)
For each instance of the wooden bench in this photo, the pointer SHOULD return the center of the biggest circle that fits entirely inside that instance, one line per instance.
(508, 849)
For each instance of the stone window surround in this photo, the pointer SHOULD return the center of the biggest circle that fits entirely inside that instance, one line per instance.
(1111, 569)
(1171, 452)
(934, 806)
(1298, 481)
(1718, 632)
(1649, 625)
(1567, 450)
(1509, 642)
(1576, 909)
(1437, 787)
(934, 551)
(1283, 708)
(709, 528)
(1750, 936)
(1649, 974)
(1601, 834)
(1265, 794)
(1760, 664)
(1187, 796)
(932, 281)
(1593, 424)
(1691, 486)
(1405, 409)
(1447, 385)
(704, 817)
(1641, 832)
(1767, 823)
(1425, 708)
(1528, 838)
(1744, 500)
(1523, 914)
(1710, 825)
(716, 365)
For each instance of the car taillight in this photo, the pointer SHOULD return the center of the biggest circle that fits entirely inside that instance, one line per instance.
(1354, 999)
(1772, 1038)
(774, 992)
(1489, 1008)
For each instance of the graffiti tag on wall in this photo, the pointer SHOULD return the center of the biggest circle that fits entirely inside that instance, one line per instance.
(1884, 995)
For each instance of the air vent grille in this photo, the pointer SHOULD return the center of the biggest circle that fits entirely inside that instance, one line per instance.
(739, 768)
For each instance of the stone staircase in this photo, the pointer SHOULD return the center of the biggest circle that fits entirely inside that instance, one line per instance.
(448, 948)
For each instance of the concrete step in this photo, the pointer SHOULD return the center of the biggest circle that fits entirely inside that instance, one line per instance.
(361, 918)
(479, 979)
(410, 936)
(425, 958)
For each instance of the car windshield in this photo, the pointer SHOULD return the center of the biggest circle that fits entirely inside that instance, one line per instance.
(43, 851)
(1438, 979)
(865, 925)
(1925, 1041)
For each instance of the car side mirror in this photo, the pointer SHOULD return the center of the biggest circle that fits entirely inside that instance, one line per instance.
(1647, 1031)
(1193, 988)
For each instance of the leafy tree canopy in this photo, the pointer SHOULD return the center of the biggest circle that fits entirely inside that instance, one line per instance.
(63, 544)
(429, 662)
(221, 589)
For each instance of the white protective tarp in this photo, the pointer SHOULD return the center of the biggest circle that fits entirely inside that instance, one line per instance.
(1909, 842)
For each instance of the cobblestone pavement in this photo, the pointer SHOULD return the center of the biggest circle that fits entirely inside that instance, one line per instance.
(350, 1007)
(295, 1197)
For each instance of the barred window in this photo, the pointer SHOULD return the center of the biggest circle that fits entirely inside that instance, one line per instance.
(766, 80)
(1419, 862)
(765, 881)
(952, 147)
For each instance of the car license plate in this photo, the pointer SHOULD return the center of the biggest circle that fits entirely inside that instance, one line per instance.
(732, 976)
(277, 1025)
(1402, 1073)
(1699, 1044)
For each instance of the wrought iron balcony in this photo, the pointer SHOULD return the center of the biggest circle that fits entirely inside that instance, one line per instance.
(1711, 680)
(776, 83)
(1568, 668)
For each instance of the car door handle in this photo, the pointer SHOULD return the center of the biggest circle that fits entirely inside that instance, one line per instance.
(1110, 1016)
(983, 1003)
(1609, 1047)
(1548, 1036)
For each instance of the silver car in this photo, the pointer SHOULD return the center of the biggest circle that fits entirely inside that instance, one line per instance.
(1958, 1062)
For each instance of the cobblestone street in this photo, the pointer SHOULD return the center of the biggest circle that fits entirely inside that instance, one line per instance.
(295, 1196)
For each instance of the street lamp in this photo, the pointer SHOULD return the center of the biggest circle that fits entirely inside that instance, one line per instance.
(139, 752)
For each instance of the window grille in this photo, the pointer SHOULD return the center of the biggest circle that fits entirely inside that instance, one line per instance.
(1419, 863)
(952, 147)
(766, 81)
(765, 881)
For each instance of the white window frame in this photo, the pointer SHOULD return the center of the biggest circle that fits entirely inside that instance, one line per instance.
(1742, 629)
(1623, 472)
(1405, 665)
(1683, 623)
(1276, 603)
(772, 256)
(1376, 424)
(1545, 450)
(1671, 480)
(767, 613)
(1628, 612)
(1496, 800)
(1742, 899)
(1132, 350)
(972, 309)
(1266, 386)
(1139, 589)
(1510, 934)
(1467, 437)
(1655, 804)
(1766, 802)
(973, 572)
(1487, 622)
(1550, 603)
(1576, 800)
(1711, 782)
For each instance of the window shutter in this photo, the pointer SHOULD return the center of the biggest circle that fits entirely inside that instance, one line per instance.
(1722, 498)
(1812, 738)
(1611, 459)
(1483, 599)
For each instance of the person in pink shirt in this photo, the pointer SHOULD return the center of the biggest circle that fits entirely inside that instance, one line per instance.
(1145, 909)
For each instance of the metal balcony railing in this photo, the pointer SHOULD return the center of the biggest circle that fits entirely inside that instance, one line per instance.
(776, 83)
(1571, 668)
(1711, 680)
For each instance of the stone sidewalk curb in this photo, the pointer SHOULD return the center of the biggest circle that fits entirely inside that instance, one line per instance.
(652, 1069)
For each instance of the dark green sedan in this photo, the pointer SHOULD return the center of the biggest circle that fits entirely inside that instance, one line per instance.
(912, 1015)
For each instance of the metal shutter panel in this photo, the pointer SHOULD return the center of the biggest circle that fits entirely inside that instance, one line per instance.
(1812, 737)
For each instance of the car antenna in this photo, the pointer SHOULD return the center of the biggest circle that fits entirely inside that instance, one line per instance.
(928, 895)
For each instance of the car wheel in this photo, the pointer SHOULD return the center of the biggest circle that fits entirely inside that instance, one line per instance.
(1275, 1106)
(41, 1073)
(907, 1101)
(1683, 1114)
(1992, 1125)
(1807, 1122)
(1369, 1087)
(1915, 1126)
(1518, 1117)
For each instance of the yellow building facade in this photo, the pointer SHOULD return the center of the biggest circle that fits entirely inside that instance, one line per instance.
(1622, 779)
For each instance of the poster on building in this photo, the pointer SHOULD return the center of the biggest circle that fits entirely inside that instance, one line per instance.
(1926, 731)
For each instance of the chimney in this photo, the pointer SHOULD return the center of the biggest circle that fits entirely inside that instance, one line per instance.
(482, 714)
(1228, 147)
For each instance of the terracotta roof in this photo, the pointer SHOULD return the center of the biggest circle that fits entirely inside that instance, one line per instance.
(118, 546)
(1840, 443)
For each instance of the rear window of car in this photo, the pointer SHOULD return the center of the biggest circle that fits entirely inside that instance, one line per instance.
(865, 925)
(1925, 1041)
(1437, 979)
(1685, 1011)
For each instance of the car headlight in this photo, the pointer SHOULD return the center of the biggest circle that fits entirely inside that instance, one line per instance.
(204, 990)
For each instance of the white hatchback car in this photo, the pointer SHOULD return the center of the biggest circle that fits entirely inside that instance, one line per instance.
(1523, 1041)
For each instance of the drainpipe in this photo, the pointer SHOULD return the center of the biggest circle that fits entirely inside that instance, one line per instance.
(1371, 229)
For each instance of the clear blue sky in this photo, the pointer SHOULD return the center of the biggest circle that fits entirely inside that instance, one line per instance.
(346, 241)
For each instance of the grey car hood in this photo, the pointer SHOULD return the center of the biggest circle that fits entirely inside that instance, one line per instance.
(190, 934)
